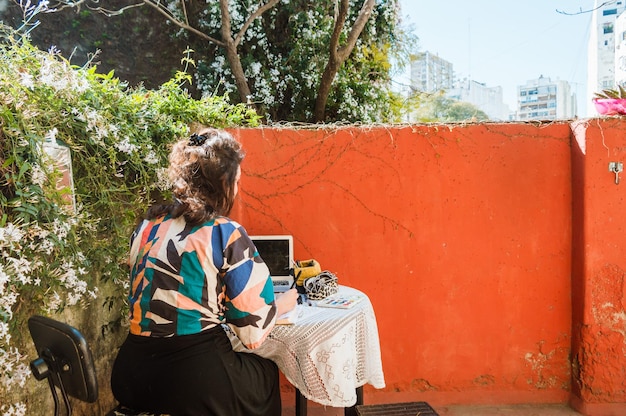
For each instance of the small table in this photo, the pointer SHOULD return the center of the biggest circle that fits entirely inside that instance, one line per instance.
(328, 354)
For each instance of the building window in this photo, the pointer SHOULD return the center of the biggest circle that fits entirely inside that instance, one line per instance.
(546, 90)
(609, 12)
(607, 28)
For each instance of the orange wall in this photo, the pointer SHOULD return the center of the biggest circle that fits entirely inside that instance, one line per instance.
(461, 235)
(599, 261)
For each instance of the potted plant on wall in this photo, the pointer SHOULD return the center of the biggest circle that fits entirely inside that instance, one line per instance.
(610, 102)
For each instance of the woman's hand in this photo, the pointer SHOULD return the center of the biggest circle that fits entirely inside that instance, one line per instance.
(286, 301)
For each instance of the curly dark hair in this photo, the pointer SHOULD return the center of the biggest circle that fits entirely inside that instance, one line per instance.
(203, 172)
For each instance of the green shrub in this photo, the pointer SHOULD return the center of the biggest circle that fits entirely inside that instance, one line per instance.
(57, 242)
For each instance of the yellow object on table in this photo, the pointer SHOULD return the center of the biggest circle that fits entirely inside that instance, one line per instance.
(305, 269)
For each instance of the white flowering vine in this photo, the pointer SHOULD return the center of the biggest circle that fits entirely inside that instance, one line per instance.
(65, 222)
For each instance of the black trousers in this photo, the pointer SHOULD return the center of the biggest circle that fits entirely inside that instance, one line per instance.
(194, 375)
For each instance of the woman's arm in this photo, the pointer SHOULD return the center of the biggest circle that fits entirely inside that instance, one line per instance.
(286, 301)
(251, 309)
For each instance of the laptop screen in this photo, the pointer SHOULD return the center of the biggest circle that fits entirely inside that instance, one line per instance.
(277, 252)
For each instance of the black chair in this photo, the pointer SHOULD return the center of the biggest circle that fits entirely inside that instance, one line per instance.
(65, 361)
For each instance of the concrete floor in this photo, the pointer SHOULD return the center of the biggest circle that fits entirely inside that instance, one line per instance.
(475, 410)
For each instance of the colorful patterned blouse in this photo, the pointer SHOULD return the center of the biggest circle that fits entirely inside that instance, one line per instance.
(188, 279)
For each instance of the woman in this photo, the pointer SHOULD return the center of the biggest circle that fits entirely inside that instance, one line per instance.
(192, 269)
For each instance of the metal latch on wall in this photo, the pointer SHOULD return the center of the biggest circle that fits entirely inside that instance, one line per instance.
(616, 168)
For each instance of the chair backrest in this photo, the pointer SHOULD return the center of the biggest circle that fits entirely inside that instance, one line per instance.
(67, 357)
(65, 360)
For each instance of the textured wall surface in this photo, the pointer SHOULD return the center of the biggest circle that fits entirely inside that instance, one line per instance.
(599, 264)
(460, 235)
(492, 253)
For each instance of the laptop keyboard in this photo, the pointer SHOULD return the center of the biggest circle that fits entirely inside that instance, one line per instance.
(281, 285)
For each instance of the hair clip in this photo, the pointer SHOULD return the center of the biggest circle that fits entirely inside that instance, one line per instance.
(197, 140)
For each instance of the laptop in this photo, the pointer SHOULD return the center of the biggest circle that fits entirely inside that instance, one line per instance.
(277, 252)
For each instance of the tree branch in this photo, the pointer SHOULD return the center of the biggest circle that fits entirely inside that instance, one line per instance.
(250, 19)
(581, 11)
(339, 54)
(185, 11)
(64, 4)
(357, 28)
(230, 46)
(340, 20)
(156, 4)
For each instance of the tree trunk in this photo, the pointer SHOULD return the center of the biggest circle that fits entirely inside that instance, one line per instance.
(338, 55)
(326, 82)
(232, 56)
(227, 42)
(240, 78)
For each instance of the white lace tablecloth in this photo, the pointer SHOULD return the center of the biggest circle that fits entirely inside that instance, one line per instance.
(329, 352)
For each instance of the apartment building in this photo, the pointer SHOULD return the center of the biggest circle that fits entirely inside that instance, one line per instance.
(620, 50)
(488, 99)
(430, 73)
(606, 53)
(544, 99)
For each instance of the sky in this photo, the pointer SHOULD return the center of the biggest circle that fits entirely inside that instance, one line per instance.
(505, 42)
